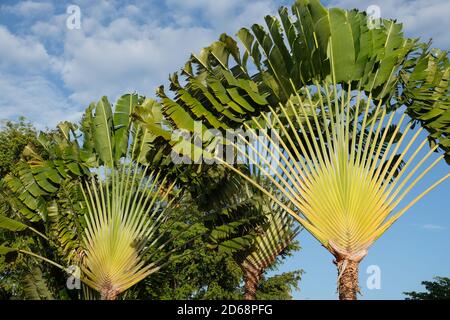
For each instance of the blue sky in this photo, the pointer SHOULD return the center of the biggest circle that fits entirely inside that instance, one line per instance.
(50, 73)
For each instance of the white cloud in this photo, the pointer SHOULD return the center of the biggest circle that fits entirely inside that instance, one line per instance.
(29, 8)
(45, 29)
(124, 57)
(100, 10)
(36, 98)
(131, 10)
(23, 54)
(224, 15)
(50, 30)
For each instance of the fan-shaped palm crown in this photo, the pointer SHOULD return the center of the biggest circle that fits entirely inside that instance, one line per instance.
(124, 214)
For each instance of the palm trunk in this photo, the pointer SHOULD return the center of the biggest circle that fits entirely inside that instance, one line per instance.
(348, 279)
(108, 295)
(108, 292)
(253, 272)
(252, 277)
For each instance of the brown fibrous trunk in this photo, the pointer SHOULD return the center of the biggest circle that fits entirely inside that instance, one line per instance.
(347, 262)
(108, 292)
(348, 279)
(252, 277)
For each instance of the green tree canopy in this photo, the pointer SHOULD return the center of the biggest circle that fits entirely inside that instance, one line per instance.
(438, 289)
(14, 137)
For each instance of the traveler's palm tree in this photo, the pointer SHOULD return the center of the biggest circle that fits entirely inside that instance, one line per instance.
(344, 172)
(123, 208)
(250, 227)
(126, 214)
(271, 240)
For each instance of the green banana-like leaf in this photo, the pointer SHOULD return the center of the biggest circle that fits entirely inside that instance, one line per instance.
(35, 286)
(5, 250)
(122, 119)
(427, 95)
(38, 180)
(11, 224)
(103, 128)
(87, 153)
